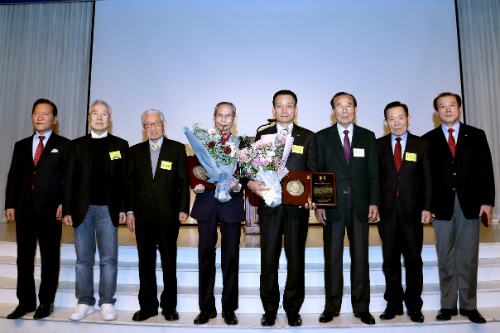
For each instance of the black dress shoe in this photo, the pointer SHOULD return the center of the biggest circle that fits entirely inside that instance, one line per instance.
(416, 316)
(229, 317)
(473, 316)
(327, 316)
(390, 313)
(144, 314)
(170, 315)
(445, 314)
(365, 317)
(205, 316)
(21, 310)
(44, 310)
(294, 319)
(268, 319)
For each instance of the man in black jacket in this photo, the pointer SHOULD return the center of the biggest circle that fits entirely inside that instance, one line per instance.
(405, 203)
(288, 220)
(463, 190)
(157, 202)
(33, 199)
(93, 205)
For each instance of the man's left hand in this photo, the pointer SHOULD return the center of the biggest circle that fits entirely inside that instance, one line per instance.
(183, 217)
(488, 210)
(59, 216)
(373, 216)
(234, 185)
(122, 218)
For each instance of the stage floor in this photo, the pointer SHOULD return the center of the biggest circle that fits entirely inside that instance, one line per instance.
(188, 236)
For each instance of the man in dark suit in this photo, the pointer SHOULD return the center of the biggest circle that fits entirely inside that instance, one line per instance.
(93, 205)
(33, 199)
(209, 212)
(288, 220)
(351, 152)
(463, 190)
(157, 201)
(405, 203)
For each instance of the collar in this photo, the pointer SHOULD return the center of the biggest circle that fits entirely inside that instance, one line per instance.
(95, 136)
(289, 127)
(403, 137)
(445, 128)
(341, 128)
(46, 135)
(159, 142)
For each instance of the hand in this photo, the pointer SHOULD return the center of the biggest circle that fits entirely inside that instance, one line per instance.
(59, 213)
(131, 222)
(308, 205)
(426, 217)
(200, 188)
(433, 217)
(10, 214)
(488, 210)
(321, 215)
(257, 187)
(183, 217)
(234, 185)
(373, 216)
(122, 218)
(68, 220)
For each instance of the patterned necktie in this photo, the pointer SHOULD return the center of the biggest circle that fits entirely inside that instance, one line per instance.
(155, 146)
(397, 158)
(451, 141)
(347, 146)
(39, 150)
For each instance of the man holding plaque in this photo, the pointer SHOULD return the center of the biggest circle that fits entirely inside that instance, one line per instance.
(209, 212)
(405, 200)
(351, 152)
(288, 220)
(463, 191)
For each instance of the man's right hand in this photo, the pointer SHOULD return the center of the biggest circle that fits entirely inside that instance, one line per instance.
(257, 187)
(131, 222)
(198, 189)
(10, 214)
(68, 220)
(321, 215)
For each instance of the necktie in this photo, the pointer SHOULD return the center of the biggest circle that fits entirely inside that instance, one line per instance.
(155, 146)
(347, 146)
(397, 158)
(451, 141)
(39, 150)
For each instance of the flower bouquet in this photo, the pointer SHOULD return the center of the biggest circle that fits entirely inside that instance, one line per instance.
(215, 151)
(265, 160)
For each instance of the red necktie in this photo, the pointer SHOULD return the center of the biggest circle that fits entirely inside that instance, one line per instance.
(39, 150)
(397, 158)
(451, 141)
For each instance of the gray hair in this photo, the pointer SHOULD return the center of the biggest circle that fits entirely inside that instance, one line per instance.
(152, 111)
(100, 101)
(225, 103)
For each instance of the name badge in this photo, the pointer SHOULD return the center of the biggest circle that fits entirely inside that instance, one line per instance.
(358, 152)
(115, 155)
(166, 165)
(412, 157)
(297, 149)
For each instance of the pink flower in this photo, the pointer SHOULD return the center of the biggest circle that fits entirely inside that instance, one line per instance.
(265, 162)
(276, 160)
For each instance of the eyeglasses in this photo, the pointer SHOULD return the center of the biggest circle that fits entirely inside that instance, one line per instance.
(155, 124)
(224, 116)
(288, 107)
(348, 107)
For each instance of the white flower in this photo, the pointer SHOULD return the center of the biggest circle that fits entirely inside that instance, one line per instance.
(211, 131)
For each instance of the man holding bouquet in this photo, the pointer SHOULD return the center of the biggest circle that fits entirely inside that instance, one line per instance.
(290, 220)
(210, 212)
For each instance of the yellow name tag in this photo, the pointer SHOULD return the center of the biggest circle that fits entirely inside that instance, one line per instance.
(412, 157)
(297, 149)
(166, 165)
(115, 155)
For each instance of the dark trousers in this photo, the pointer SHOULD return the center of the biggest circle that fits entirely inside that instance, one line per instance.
(149, 236)
(230, 258)
(30, 229)
(272, 229)
(333, 237)
(400, 236)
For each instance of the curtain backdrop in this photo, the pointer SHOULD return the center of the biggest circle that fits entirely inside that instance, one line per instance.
(479, 22)
(44, 53)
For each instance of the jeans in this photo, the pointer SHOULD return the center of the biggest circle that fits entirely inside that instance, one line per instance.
(97, 224)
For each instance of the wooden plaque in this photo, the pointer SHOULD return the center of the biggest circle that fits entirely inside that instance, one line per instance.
(197, 174)
(300, 187)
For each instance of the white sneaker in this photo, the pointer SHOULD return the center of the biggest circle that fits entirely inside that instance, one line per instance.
(81, 311)
(108, 311)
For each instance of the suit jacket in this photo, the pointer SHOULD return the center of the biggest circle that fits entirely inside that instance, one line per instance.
(232, 211)
(46, 178)
(361, 175)
(470, 173)
(167, 193)
(414, 179)
(77, 178)
(307, 161)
